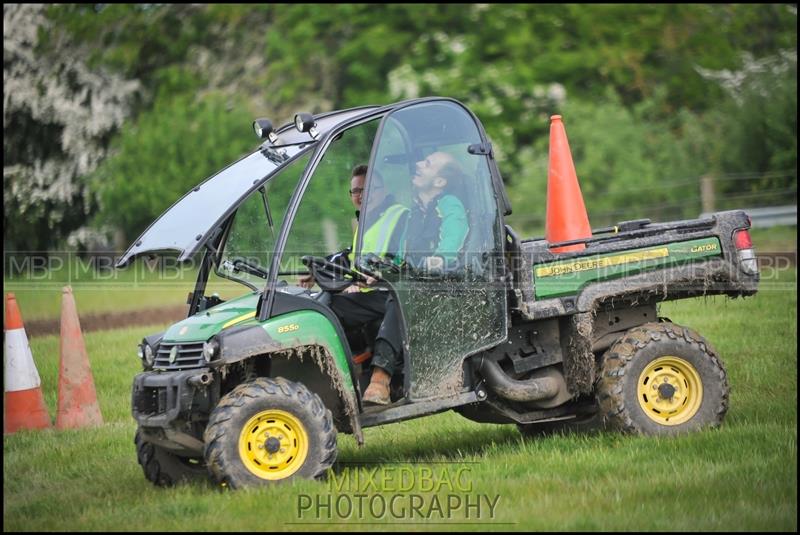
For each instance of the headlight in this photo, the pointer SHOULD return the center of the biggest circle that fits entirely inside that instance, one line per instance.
(210, 350)
(140, 352)
(304, 122)
(149, 355)
(263, 129)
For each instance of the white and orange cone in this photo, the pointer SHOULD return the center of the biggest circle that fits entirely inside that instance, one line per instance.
(77, 399)
(24, 403)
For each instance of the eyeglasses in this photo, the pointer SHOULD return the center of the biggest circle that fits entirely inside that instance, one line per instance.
(360, 191)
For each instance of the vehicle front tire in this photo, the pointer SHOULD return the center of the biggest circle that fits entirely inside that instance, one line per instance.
(165, 469)
(662, 379)
(267, 431)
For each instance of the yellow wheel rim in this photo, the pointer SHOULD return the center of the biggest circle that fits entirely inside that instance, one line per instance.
(273, 444)
(670, 391)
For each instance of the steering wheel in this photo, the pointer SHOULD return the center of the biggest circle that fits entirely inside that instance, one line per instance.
(377, 262)
(330, 276)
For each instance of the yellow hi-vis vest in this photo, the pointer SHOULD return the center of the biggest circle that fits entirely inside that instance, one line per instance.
(377, 237)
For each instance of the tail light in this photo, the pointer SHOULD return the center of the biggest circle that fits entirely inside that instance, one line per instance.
(744, 248)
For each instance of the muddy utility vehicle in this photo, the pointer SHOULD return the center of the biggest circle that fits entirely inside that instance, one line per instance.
(254, 389)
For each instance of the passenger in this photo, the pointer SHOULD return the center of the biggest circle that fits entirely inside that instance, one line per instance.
(438, 224)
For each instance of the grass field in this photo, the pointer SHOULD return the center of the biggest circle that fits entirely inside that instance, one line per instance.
(740, 477)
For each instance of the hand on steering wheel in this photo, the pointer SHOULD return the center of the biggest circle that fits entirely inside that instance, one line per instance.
(332, 277)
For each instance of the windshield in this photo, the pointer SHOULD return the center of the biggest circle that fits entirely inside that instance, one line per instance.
(206, 206)
(250, 241)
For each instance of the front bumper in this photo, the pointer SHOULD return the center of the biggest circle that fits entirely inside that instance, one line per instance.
(172, 399)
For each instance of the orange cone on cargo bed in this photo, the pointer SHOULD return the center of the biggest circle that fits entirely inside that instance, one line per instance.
(24, 403)
(77, 399)
(566, 214)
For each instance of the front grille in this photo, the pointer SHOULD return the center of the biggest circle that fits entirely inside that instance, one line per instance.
(190, 355)
(154, 400)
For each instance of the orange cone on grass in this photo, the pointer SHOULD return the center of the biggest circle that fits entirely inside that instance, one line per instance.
(566, 214)
(77, 399)
(24, 403)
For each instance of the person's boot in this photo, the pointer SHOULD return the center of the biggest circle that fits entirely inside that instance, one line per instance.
(377, 392)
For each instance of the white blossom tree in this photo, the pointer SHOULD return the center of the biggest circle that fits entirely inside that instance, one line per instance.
(58, 115)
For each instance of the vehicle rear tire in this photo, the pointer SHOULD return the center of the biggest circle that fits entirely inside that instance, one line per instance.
(268, 431)
(662, 379)
(164, 468)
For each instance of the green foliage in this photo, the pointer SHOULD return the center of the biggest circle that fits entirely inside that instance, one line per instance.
(170, 149)
(340, 56)
(628, 166)
(135, 39)
(763, 134)
(644, 120)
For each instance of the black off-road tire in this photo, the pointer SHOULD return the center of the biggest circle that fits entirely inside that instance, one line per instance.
(165, 469)
(623, 366)
(264, 395)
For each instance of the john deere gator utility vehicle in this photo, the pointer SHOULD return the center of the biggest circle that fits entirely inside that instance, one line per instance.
(255, 389)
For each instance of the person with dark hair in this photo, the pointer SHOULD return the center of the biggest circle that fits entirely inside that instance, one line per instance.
(357, 178)
(438, 224)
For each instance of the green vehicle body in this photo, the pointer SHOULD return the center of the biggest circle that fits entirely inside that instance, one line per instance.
(556, 279)
(295, 329)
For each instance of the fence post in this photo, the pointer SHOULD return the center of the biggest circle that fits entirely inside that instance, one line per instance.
(707, 193)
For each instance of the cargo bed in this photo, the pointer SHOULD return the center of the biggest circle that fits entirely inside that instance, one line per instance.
(635, 262)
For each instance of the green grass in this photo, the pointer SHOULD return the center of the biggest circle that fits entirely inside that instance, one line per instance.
(774, 240)
(741, 477)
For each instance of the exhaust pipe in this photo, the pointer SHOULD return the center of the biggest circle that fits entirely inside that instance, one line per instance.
(535, 389)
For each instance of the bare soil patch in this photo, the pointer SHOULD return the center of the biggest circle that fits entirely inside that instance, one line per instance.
(110, 320)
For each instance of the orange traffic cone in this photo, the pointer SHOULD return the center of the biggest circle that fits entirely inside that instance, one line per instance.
(24, 403)
(77, 400)
(566, 213)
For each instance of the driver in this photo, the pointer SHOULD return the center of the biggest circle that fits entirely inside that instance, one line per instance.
(360, 303)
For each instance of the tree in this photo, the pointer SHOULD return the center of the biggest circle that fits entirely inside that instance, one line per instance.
(171, 148)
(58, 116)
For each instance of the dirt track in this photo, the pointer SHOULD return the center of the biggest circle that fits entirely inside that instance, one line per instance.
(110, 320)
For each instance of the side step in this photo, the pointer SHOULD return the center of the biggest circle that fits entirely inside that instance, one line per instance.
(373, 416)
